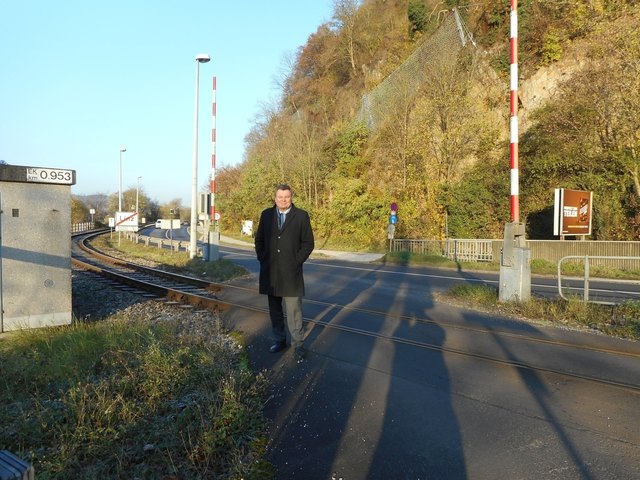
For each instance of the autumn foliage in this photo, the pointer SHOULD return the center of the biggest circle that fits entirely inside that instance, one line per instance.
(441, 153)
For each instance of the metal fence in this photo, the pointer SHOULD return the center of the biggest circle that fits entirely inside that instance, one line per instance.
(435, 51)
(458, 249)
(554, 250)
(81, 227)
(488, 250)
(587, 277)
(175, 245)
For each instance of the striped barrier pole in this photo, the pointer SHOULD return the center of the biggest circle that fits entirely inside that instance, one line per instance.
(513, 120)
(212, 186)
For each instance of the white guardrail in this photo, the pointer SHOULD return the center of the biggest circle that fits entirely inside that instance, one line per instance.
(175, 245)
(587, 274)
(82, 227)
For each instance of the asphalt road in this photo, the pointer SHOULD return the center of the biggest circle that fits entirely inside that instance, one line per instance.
(384, 406)
(438, 279)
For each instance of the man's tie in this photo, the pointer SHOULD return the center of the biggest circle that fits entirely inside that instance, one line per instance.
(282, 215)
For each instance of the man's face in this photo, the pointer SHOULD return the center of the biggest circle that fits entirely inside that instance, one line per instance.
(283, 199)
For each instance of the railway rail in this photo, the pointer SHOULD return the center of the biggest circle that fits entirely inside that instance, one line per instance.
(176, 288)
(219, 297)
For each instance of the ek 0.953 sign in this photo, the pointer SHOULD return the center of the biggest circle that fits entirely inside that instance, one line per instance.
(50, 175)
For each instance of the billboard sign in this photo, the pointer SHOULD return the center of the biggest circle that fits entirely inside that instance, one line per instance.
(572, 212)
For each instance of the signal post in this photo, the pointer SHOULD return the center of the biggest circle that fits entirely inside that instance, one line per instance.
(515, 261)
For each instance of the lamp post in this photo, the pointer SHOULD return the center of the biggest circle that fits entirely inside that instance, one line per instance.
(137, 194)
(122, 150)
(200, 58)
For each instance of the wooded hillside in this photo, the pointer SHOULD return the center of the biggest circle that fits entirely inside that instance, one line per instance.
(439, 144)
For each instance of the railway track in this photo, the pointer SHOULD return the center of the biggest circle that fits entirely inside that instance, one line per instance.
(359, 321)
(174, 287)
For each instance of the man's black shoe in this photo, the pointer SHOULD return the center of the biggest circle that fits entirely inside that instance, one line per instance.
(300, 354)
(276, 347)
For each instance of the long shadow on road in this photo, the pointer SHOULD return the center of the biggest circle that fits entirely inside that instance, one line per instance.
(361, 406)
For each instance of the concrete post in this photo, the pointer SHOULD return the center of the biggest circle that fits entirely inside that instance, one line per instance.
(515, 265)
(211, 249)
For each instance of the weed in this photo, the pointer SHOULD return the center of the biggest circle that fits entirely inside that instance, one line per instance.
(620, 320)
(119, 399)
(544, 267)
(482, 295)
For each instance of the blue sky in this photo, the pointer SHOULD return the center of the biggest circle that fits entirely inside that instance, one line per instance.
(80, 79)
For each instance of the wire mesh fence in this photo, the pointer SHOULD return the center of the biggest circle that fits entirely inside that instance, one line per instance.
(438, 50)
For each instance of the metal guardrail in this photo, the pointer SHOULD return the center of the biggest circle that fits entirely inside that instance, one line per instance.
(457, 249)
(81, 227)
(587, 274)
(627, 253)
(175, 245)
(465, 250)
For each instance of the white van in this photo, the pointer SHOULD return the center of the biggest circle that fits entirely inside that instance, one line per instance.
(158, 223)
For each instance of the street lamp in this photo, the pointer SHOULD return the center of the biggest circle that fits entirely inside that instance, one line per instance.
(122, 150)
(137, 193)
(200, 58)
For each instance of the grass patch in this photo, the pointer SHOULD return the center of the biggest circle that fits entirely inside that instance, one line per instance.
(480, 295)
(122, 399)
(619, 320)
(250, 241)
(218, 271)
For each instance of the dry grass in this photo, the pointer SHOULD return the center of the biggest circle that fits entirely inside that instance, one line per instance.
(620, 320)
(123, 399)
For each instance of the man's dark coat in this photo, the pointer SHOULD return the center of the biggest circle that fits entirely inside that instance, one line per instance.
(282, 252)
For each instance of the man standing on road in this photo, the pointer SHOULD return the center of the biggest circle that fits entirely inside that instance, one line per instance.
(284, 241)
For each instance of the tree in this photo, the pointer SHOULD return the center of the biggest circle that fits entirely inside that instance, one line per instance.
(477, 205)
(345, 15)
(588, 137)
(79, 211)
(417, 14)
(175, 206)
(129, 202)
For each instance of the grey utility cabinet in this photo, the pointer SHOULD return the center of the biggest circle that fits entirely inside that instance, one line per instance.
(35, 246)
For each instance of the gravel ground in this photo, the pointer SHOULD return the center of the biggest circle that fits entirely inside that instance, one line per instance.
(94, 299)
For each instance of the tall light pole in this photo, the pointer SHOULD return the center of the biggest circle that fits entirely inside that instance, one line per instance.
(200, 58)
(137, 194)
(122, 150)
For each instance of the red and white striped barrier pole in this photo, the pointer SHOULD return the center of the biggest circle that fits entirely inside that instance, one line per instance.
(513, 121)
(213, 157)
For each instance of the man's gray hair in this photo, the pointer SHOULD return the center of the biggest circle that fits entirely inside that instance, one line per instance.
(283, 186)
